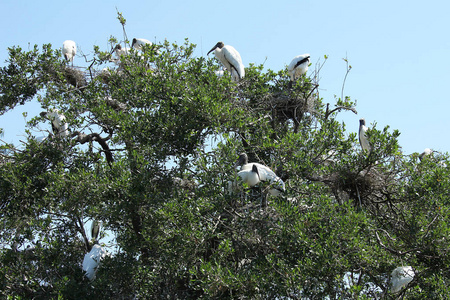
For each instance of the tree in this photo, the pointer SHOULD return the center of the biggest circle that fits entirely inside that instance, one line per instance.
(151, 152)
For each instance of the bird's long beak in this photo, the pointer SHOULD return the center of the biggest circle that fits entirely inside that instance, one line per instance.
(112, 50)
(214, 48)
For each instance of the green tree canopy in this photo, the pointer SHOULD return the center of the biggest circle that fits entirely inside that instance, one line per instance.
(151, 153)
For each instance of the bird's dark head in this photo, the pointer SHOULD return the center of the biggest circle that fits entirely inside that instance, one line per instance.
(117, 47)
(133, 42)
(242, 160)
(218, 45)
(362, 121)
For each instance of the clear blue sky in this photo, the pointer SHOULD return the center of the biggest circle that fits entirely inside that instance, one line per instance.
(398, 50)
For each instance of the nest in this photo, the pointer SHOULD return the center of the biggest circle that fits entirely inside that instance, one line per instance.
(75, 77)
(365, 187)
(291, 106)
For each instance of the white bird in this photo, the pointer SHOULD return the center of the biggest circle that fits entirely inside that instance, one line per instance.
(363, 141)
(250, 176)
(92, 260)
(59, 125)
(69, 50)
(255, 172)
(219, 73)
(230, 58)
(95, 230)
(298, 66)
(139, 43)
(425, 152)
(400, 277)
(120, 51)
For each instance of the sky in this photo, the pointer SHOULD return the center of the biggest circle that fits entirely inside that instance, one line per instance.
(398, 50)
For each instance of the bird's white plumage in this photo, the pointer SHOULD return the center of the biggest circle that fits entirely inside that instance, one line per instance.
(363, 141)
(139, 43)
(121, 51)
(251, 176)
(219, 73)
(69, 50)
(400, 277)
(231, 60)
(425, 153)
(59, 125)
(265, 174)
(92, 260)
(299, 66)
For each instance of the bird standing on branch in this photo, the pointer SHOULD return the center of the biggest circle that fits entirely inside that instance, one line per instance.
(69, 50)
(231, 59)
(363, 140)
(59, 125)
(298, 66)
(253, 173)
(138, 44)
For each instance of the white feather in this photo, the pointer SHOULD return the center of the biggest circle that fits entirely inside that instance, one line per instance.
(295, 69)
(231, 60)
(400, 277)
(265, 175)
(139, 43)
(92, 260)
(363, 141)
(59, 125)
(69, 50)
(249, 176)
(121, 51)
(425, 153)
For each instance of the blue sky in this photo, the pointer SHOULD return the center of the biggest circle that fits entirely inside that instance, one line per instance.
(398, 50)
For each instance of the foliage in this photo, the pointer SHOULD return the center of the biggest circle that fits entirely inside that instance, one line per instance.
(151, 152)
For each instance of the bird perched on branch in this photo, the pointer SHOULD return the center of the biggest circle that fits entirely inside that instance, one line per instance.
(120, 51)
(95, 230)
(253, 173)
(59, 125)
(69, 50)
(139, 43)
(363, 141)
(231, 59)
(250, 176)
(298, 66)
(425, 153)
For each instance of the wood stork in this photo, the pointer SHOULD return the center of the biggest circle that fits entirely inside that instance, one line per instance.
(363, 141)
(92, 260)
(298, 66)
(400, 277)
(139, 43)
(59, 125)
(69, 50)
(120, 51)
(230, 58)
(95, 230)
(255, 172)
(250, 176)
(425, 153)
